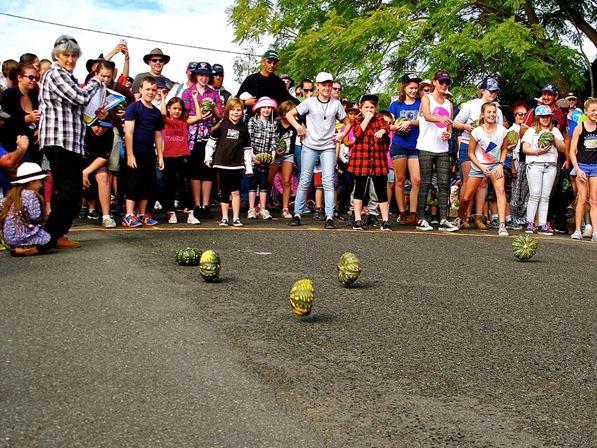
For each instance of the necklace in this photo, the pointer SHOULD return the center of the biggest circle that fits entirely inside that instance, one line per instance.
(324, 110)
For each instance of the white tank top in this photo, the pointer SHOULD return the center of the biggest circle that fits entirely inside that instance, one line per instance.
(430, 134)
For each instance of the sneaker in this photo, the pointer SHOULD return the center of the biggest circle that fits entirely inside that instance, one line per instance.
(191, 219)
(502, 230)
(157, 205)
(286, 214)
(594, 238)
(198, 212)
(265, 214)
(530, 228)
(130, 221)
(93, 214)
(588, 232)
(223, 222)
(207, 212)
(337, 216)
(295, 221)
(495, 223)
(329, 224)
(108, 222)
(147, 220)
(319, 214)
(358, 225)
(385, 226)
(447, 226)
(423, 225)
(577, 235)
(236, 222)
(545, 230)
(83, 213)
(513, 225)
(457, 223)
(252, 214)
(172, 218)
(479, 224)
(561, 231)
(373, 220)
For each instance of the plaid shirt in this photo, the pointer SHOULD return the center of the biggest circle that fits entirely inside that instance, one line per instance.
(263, 135)
(368, 156)
(61, 104)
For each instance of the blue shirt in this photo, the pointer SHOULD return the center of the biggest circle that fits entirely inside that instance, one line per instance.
(410, 112)
(147, 122)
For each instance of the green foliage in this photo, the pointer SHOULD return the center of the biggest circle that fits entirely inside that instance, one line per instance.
(370, 44)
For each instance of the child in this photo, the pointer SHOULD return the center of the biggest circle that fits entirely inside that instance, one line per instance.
(286, 133)
(389, 118)
(143, 141)
(262, 130)
(98, 143)
(541, 168)
(368, 159)
(345, 181)
(22, 212)
(228, 151)
(176, 152)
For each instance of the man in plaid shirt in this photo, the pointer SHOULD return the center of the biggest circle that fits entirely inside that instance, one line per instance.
(368, 159)
(62, 133)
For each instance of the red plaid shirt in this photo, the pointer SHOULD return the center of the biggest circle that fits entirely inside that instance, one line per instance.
(368, 155)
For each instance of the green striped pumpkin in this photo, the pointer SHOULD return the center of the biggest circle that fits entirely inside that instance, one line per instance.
(188, 256)
(301, 297)
(524, 247)
(209, 266)
(349, 268)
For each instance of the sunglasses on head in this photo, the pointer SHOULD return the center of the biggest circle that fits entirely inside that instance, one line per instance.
(65, 40)
(31, 77)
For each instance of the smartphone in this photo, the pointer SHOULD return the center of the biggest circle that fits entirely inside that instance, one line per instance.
(123, 41)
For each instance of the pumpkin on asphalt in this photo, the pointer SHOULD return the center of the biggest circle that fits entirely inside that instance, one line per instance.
(209, 266)
(301, 297)
(188, 256)
(349, 268)
(524, 247)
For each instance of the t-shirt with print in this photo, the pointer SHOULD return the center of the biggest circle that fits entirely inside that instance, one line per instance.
(288, 136)
(147, 122)
(470, 112)
(410, 112)
(175, 136)
(489, 145)
(321, 121)
(531, 136)
(232, 141)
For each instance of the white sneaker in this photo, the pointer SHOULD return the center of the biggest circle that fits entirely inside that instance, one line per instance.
(224, 222)
(577, 235)
(447, 226)
(588, 231)
(108, 222)
(157, 205)
(502, 231)
(172, 218)
(286, 214)
(191, 219)
(594, 238)
(251, 214)
(423, 225)
(265, 214)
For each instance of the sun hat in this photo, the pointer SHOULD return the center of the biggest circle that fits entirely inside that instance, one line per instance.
(90, 62)
(265, 101)
(425, 81)
(542, 110)
(563, 103)
(28, 171)
(156, 52)
(323, 77)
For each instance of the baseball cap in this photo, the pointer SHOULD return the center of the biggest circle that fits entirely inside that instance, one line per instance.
(571, 95)
(217, 69)
(542, 110)
(271, 54)
(410, 77)
(369, 97)
(201, 68)
(490, 84)
(442, 75)
(324, 77)
(550, 87)
(425, 81)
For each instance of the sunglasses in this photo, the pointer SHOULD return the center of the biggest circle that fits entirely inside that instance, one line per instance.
(520, 114)
(444, 81)
(337, 89)
(31, 77)
(307, 90)
(426, 89)
(156, 60)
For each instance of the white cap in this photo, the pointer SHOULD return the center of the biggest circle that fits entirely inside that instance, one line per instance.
(426, 81)
(324, 77)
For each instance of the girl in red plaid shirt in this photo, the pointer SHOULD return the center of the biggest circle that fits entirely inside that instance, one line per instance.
(368, 158)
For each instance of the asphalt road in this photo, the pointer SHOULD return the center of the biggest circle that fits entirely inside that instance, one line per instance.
(444, 341)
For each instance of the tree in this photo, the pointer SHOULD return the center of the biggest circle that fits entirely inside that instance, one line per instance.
(369, 44)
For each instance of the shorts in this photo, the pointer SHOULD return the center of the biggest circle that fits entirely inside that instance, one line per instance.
(229, 181)
(402, 152)
(491, 196)
(258, 179)
(114, 160)
(463, 153)
(590, 169)
(198, 170)
(285, 158)
(391, 177)
(476, 173)
(142, 182)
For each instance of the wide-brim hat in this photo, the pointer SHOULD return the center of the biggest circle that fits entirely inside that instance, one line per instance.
(156, 52)
(27, 172)
(90, 62)
(265, 101)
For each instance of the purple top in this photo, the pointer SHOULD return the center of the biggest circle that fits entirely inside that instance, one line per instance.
(17, 234)
(201, 130)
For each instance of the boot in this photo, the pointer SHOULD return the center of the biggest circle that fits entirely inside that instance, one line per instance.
(404, 218)
(479, 224)
(411, 219)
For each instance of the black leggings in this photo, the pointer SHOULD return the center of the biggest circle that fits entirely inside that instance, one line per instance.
(175, 169)
(379, 183)
(229, 181)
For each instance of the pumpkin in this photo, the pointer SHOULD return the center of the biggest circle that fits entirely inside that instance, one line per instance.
(209, 266)
(264, 158)
(475, 124)
(349, 268)
(207, 105)
(511, 138)
(301, 297)
(524, 247)
(546, 139)
(281, 145)
(188, 256)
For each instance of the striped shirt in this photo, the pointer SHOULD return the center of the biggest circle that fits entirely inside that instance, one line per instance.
(61, 104)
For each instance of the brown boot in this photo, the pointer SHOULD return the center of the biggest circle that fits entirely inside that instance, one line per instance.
(25, 251)
(411, 219)
(403, 218)
(479, 224)
(64, 243)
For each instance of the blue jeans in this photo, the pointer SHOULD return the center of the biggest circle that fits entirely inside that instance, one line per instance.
(309, 157)
(298, 150)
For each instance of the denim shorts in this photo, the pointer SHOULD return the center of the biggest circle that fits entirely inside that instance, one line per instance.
(402, 152)
(391, 177)
(285, 158)
(590, 169)
(476, 173)
(463, 153)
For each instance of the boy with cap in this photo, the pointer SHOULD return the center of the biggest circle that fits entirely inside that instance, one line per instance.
(216, 81)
